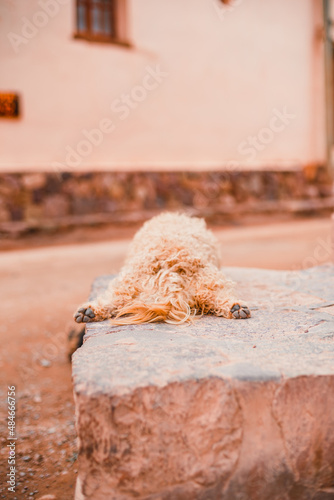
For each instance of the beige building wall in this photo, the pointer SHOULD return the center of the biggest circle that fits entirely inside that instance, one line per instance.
(203, 86)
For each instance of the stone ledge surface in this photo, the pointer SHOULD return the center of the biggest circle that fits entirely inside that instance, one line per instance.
(221, 409)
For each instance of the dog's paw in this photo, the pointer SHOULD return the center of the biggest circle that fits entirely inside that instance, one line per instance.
(240, 312)
(84, 315)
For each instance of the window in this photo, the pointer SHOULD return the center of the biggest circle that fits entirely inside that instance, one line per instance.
(101, 20)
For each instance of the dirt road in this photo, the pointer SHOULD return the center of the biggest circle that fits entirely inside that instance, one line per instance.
(40, 289)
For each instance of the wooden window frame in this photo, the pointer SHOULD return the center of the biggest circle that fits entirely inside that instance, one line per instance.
(118, 20)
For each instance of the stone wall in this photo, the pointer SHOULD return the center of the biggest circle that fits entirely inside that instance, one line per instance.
(38, 200)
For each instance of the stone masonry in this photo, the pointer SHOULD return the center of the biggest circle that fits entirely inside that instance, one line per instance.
(54, 200)
(221, 409)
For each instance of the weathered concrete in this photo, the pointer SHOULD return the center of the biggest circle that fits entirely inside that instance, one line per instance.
(222, 409)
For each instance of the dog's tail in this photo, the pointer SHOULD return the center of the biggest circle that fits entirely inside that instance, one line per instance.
(175, 312)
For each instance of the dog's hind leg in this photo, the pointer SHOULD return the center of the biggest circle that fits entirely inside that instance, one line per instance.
(99, 309)
(239, 311)
(119, 292)
(94, 310)
(223, 305)
(214, 295)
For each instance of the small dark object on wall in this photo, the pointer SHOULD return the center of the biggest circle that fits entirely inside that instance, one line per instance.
(9, 105)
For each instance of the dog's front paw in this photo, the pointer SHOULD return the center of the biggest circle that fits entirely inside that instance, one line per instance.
(240, 312)
(84, 315)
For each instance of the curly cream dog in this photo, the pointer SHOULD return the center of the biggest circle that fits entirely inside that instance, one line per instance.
(171, 274)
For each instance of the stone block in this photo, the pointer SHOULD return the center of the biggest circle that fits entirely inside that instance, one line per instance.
(56, 205)
(34, 181)
(221, 409)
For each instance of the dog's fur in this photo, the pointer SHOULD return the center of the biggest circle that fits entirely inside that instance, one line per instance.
(171, 274)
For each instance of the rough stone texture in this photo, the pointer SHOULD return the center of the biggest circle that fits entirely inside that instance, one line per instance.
(221, 409)
(42, 200)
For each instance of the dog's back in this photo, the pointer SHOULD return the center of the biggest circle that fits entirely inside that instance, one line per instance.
(163, 237)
